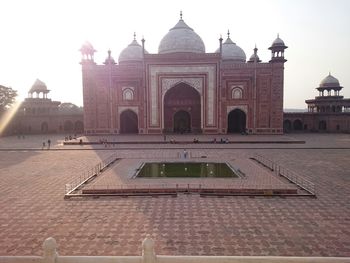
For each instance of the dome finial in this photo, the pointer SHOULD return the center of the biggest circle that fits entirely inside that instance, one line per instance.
(180, 14)
(278, 35)
(255, 50)
(228, 33)
(329, 73)
(109, 53)
(134, 35)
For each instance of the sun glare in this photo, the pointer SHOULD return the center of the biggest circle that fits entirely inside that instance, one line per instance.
(6, 118)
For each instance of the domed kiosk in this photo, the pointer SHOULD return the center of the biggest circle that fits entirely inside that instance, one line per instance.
(327, 112)
(38, 88)
(277, 50)
(330, 102)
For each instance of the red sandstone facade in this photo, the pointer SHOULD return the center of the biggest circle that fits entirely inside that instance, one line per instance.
(183, 89)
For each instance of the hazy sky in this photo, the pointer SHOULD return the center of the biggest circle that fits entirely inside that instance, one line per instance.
(41, 39)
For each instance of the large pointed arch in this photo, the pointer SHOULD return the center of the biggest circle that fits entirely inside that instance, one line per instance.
(184, 103)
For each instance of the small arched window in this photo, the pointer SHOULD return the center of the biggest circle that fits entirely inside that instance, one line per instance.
(128, 94)
(236, 93)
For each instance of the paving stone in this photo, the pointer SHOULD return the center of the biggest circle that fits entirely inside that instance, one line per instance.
(32, 206)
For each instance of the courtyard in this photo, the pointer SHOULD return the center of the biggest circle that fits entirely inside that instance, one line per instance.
(33, 207)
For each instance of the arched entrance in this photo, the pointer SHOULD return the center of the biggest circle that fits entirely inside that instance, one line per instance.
(182, 109)
(297, 125)
(236, 121)
(128, 122)
(322, 125)
(287, 125)
(182, 122)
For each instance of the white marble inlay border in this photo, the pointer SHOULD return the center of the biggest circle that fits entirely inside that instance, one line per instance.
(156, 70)
(123, 108)
(168, 83)
(240, 107)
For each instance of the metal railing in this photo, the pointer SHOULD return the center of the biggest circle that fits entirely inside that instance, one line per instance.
(89, 174)
(286, 173)
(51, 255)
(298, 180)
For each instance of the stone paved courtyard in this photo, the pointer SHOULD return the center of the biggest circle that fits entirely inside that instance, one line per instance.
(32, 207)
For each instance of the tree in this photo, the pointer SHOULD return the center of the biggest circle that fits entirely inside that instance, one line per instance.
(7, 97)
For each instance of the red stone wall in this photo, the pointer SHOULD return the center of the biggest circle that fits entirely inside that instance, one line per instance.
(262, 97)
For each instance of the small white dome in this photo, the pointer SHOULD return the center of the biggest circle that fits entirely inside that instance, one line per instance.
(278, 42)
(230, 51)
(133, 52)
(329, 81)
(181, 38)
(109, 59)
(253, 56)
(38, 86)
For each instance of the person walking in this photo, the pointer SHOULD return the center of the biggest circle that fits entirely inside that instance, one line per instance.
(185, 154)
(48, 144)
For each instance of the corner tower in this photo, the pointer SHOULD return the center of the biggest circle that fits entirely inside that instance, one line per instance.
(277, 81)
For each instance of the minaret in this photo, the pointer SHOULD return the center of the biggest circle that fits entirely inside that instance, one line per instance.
(220, 45)
(143, 45)
(109, 60)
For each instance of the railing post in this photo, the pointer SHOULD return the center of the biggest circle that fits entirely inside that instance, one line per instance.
(148, 254)
(50, 253)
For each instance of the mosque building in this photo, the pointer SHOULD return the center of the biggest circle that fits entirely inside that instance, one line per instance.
(183, 89)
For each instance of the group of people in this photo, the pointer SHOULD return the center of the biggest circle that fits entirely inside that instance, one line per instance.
(222, 140)
(70, 137)
(195, 140)
(105, 142)
(48, 144)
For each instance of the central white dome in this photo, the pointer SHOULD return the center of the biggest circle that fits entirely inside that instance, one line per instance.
(181, 38)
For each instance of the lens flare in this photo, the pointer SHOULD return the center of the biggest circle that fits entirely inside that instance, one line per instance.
(6, 118)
